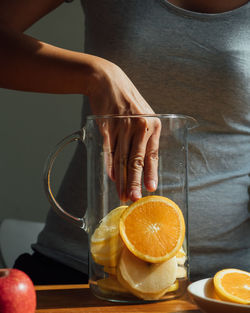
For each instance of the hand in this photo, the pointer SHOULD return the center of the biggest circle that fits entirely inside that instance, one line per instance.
(130, 144)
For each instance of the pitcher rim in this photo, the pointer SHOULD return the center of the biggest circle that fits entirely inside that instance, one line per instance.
(165, 116)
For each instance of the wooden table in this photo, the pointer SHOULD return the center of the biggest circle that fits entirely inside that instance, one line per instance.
(79, 299)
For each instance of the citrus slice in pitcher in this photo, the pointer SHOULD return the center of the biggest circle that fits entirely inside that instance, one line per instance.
(148, 281)
(153, 228)
(111, 284)
(109, 226)
(181, 256)
(107, 253)
(106, 243)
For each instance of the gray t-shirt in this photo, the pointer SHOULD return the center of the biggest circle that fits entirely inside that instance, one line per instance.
(188, 63)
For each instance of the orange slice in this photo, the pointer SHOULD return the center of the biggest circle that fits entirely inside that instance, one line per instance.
(153, 228)
(233, 285)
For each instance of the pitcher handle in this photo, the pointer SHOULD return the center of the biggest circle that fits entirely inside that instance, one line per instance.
(77, 136)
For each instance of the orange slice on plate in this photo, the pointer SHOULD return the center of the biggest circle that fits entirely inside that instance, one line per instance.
(233, 285)
(153, 228)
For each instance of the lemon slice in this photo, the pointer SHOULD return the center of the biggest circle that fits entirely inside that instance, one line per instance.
(106, 243)
(109, 226)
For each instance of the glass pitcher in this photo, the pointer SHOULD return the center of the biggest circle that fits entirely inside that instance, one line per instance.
(109, 256)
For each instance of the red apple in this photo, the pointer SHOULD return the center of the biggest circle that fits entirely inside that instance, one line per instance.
(17, 292)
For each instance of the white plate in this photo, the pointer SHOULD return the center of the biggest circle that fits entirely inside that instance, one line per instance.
(202, 293)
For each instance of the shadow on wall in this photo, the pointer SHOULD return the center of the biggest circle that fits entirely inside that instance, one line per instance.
(32, 123)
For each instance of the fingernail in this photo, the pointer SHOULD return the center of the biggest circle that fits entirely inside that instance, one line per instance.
(135, 195)
(151, 185)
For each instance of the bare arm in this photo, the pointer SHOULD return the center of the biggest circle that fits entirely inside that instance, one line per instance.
(31, 65)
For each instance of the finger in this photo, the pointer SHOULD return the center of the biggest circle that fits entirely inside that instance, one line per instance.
(151, 160)
(121, 157)
(109, 164)
(136, 159)
(109, 142)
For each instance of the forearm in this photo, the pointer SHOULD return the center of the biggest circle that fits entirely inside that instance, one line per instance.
(30, 65)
